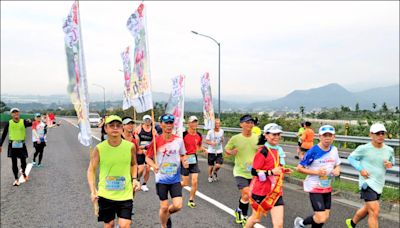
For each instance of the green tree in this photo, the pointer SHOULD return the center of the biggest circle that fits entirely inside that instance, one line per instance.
(3, 107)
(357, 107)
(384, 107)
(374, 106)
(302, 108)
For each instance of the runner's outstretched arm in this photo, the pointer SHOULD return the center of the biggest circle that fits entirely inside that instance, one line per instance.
(91, 173)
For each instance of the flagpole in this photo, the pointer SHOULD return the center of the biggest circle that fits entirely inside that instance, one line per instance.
(153, 130)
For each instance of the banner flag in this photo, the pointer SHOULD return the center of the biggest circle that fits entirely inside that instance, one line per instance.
(208, 110)
(176, 103)
(141, 97)
(126, 62)
(77, 83)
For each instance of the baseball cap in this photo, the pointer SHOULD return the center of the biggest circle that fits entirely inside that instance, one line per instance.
(146, 117)
(127, 121)
(14, 110)
(192, 118)
(37, 115)
(167, 118)
(246, 117)
(272, 128)
(326, 129)
(113, 118)
(377, 127)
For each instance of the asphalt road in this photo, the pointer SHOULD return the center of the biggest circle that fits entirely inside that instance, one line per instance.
(57, 194)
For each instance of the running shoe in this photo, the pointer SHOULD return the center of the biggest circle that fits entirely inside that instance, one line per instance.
(348, 223)
(169, 223)
(210, 179)
(26, 178)
(144, 188)
(244, 221)
(191, 204)
(33, 163)
(238, 216)
(298, 222)
(215, 177)
(16, 183)
(39, 165)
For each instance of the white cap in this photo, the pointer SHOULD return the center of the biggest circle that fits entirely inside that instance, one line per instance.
(192, 118)
(272, 128)
(146, 117)
(377, 127)
(14, 110)
(326, 129)
(127, 120)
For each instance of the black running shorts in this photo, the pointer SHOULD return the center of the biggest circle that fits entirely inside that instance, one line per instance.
(108, 209)
(321, 201)
(215, 158)
(242, 182)
(259, 199)
(193, 168)
(369, 195)
(141, 159)
(175, 190)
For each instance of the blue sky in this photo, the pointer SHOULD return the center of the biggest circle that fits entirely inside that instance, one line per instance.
(267, 48)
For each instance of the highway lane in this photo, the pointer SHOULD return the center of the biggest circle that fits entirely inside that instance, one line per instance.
(58, 196)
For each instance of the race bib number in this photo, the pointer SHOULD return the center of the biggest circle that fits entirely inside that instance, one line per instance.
(115, 183)
(17, 144)
(144, 143)
(325, 181)
(169, 168)
(192, 159)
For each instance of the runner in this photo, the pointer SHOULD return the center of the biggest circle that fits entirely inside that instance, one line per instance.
(266, 185)
(39, 130)
(128, 132)
(16, 127)
(243, 146)
(299, 134)
(193, 143)
(144, 131)
(103, 131)
(116, 159)
(371, 160)
(215, 139)
(307, 139)
(320, 163)
(170, 154)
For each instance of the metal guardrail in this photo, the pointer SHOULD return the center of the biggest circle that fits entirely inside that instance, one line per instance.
(340, 138)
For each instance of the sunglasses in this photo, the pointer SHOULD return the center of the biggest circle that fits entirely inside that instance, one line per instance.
(167, 118)
(327, 129)
(115, 125)
(380, 133)
(274, 134)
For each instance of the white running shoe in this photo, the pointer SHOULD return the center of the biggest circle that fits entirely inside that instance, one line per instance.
(298, 222)
(215, 176)
(210, 179)
(144, 188)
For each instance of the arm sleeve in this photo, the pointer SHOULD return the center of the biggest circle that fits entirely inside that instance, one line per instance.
(355, 157)
(4, 135)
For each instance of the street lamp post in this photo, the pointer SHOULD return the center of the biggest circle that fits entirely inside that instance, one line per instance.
(219, 70)
(104, 96)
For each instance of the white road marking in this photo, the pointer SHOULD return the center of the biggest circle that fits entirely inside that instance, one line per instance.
(201, 195)
(219, 205)
(27, 171)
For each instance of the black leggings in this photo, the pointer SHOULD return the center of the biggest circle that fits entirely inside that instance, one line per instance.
(14, 160)
(39, 151)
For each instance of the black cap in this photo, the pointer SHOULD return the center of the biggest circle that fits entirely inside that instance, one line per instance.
(246, 117)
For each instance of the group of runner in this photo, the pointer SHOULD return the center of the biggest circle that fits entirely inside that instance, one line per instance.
(15, 128)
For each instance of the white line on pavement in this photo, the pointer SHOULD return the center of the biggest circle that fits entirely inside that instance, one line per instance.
(201, 195)
(219, 205)
(27, 171)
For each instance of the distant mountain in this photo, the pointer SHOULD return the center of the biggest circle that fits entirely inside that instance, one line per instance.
(388, 94)
(329, 96)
